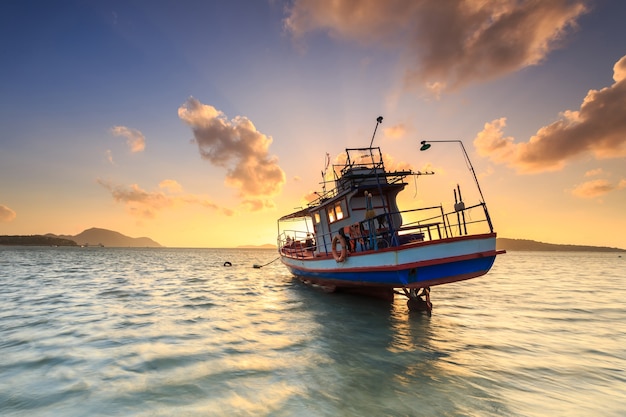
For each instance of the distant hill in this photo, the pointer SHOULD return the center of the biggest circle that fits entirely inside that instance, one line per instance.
(531, 245)
(265, 246)
(109, 238)
(35, 240)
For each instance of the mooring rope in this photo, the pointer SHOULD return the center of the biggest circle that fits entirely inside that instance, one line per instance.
(261, 266)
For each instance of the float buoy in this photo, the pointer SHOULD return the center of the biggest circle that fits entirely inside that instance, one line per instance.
(227, 264)
(339, 256)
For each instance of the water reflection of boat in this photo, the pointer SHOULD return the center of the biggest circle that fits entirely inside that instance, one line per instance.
(355, 237)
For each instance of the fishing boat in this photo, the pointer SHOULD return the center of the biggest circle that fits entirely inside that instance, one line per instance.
(354, 237)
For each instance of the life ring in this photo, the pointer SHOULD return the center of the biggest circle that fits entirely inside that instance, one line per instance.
(227, 264)
(339, 256)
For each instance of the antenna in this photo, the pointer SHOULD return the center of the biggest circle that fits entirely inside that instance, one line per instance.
(379, 120)
(326, 163)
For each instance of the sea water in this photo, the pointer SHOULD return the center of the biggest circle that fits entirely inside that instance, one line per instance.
(174, 332)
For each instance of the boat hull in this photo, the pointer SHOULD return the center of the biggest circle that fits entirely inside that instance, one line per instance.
(417, 265)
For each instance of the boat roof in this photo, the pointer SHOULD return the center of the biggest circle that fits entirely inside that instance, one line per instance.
(305, 212)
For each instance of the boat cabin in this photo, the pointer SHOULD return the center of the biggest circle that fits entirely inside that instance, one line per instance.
(361, 207)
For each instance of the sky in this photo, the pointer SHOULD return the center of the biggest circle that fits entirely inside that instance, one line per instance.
(200, 123)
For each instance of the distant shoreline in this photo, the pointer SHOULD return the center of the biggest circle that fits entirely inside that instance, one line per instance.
(513, 245)
(90, 237)
(35, 240)
(534, 246)
(266, 246)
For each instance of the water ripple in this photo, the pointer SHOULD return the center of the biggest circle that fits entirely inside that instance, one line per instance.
(145, 332)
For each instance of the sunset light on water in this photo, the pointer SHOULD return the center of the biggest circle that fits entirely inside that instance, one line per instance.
(168, 332)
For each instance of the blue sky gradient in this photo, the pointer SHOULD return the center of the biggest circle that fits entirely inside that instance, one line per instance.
(111, 111)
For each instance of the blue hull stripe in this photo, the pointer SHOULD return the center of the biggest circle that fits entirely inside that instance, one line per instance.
(411, 277)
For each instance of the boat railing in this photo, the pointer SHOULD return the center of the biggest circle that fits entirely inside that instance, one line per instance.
(297, 243)
(432, 224)
(465, 221)
(458, 222)
(362, 158)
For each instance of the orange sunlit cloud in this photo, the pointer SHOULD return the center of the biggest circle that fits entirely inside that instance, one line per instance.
(395, 132)
(171, 185)
(310, 196)
(6, 214)
(594, 172)
(146, 204)
(596, 188)
(392, 165)
(109, 156)
(238, 147)
(135, 140)
(597, 128)
(451, 43)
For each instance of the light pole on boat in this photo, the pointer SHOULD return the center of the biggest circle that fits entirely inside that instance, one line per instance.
(379, 120)
(426, 145)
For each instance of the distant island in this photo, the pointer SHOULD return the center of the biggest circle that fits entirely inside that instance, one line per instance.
(265, 246)
(531, 245)
(89, 237)
(109, 238)
(35, 240)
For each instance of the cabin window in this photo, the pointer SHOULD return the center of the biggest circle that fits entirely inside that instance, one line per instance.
(316, 216)
(335, 212)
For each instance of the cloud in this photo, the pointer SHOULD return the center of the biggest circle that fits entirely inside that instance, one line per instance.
(6, 214)
(146, 204)
(238, 147)
(395, 132)
(597, 128)
(594, 172)
(310, 196)
(171, 185)
(596, 188)
(109, 156)
(134, 138)
(445, 44)
(392, 165)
